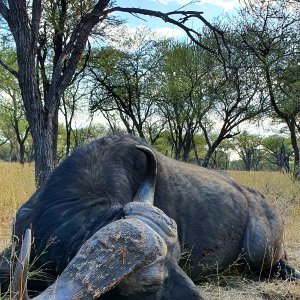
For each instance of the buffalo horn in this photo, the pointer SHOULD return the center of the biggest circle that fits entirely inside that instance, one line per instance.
(146, 190)
(19, 282)
(111, 254)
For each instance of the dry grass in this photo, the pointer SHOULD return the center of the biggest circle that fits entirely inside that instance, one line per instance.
(251, 290)
(17, 184)
(284, 192)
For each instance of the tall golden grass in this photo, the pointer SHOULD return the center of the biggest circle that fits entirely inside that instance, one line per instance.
(283, 192)
(17, 185)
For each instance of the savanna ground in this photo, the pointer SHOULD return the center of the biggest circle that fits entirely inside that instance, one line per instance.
(17, 184)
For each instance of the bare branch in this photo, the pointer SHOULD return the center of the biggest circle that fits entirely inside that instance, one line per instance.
(8, 68)
(74, 48)
(168, 18)
(4, 11)
(86, 60)
(4, 142)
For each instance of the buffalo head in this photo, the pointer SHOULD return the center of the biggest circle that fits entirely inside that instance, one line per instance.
(132, 258)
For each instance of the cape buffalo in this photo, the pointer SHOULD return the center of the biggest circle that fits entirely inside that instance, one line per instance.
(217, 219)
(135, 257)
(132, 258)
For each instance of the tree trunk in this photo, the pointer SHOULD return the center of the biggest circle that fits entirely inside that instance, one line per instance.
(22, 153)
(187, 146)
(68, 141)
(211, 149)
(55, 134)
(207, 157)
(40, 122)
(292, 128)
(43, 152)
(139, 128)
(290, 121)
(196, 152)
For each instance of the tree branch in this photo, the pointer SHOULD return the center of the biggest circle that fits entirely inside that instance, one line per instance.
(4, 11)
(85, 63)
(36, 18)
(168, 18)
(8, 68)
(74, 48)
(4, 142)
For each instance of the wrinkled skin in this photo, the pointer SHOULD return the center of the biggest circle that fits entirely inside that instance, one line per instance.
(217, 219)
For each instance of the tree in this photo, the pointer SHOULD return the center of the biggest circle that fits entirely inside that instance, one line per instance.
(28, 24)
(200, 92)
(87, 133)
(248, 148)
(279, 152)
(181, 98)
(220, 159)
(270, 30)
(14, 127)
(72, 102)
(125, 77)
(234, 89)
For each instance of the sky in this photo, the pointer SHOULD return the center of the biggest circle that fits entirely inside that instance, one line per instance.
(210, 8)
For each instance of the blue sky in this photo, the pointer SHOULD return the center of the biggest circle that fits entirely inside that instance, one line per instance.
(210, 9)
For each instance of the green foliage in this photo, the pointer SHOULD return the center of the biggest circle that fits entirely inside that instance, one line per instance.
(78, 137)
(248, 148)
(278, 152)
(125, 80)
(183, 80)
(13, 124)
(288, 89)
(270, 31)
(181, 94)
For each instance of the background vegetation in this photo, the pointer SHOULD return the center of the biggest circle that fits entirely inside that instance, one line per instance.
(196, 100)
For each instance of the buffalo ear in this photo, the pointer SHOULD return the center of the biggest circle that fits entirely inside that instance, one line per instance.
(111, 254)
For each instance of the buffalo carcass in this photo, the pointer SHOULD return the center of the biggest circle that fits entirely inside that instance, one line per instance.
(129, 259)
(217, 219)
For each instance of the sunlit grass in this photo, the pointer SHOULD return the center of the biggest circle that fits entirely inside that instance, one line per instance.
(16, 186)
(284, 192)
(280, 188)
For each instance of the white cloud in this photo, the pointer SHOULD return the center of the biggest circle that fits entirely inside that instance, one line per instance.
(227, 5)
(125, 37)
(167, 32)
(165, 2)
(125, 32)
